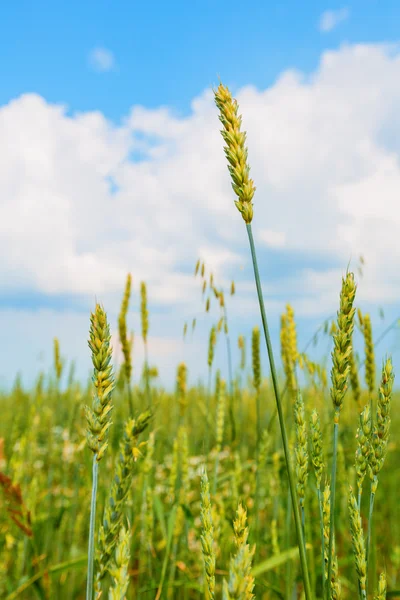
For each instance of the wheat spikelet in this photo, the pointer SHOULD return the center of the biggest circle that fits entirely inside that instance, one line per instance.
(363, 448)
(119, 568)
(144, 313)
(181, 387)
(99, 416)
(335, 584)
(357, 537)
(235, 151)
(286, 355)
(125, 343)
(381, 592)
(58, 364)
(242, 348)
(380, 430)
(316, 447)
(211, 346)
(342, 341)
(241, 582)
(354, 381)
(123, 476)
(207, 535)
(301, 448)
(369, 354)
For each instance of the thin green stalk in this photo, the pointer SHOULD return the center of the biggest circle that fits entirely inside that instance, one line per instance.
(289, 564)
(231, 411)
(147, 382)
(257, 499)
(332, 509)
(369, 531)
(90, 569)
(292, 484)
(321, 518)
(303, 520)
(208, 411)
(130, 399)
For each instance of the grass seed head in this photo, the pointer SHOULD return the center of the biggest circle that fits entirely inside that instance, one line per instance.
(357, 537)
(125, 343)
(381, 591)
(207, 535)
(316, 447)
(99, 416)
(369, 354)
(144, 313)
(342, 342)
(235, 151)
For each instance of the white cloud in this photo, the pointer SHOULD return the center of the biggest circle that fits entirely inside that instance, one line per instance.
(331, 18)
(273, 239)
(325, 159)
(101, 60)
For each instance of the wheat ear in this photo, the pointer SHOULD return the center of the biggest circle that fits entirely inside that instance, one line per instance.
(99, 416)
(339, 375)
(207, 535)
(114, 509)
(241, 582)
(125, 343)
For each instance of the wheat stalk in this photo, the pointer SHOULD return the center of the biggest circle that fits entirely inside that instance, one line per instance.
(99, 416)
(236, 154)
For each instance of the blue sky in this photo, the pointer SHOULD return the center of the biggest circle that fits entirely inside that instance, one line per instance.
(166, 53)
(112, 162)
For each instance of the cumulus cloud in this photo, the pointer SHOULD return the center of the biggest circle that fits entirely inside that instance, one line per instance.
(101, 60)
(332, 18)
(78, 210)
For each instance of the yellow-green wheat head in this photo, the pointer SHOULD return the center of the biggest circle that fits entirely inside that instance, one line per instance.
(211, 346)
(242, 348)
(370, 370)
(58, 365)
(144, 313)
(99, 416)
(181, 386)
(125, 343)
(342, 341)
(235, 151)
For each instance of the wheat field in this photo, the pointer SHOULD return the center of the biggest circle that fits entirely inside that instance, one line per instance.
(248, 485)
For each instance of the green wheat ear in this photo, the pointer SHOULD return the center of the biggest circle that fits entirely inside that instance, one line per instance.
(99, 416)
(236, 151)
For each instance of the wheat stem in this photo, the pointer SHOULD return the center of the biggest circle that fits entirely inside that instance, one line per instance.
(90, 569)
(292, 484)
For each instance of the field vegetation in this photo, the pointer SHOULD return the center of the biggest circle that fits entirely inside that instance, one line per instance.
(247, 486)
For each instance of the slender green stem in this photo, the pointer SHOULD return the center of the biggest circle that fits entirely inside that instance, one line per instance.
(215, 481)
(332, 508)
(289, 564)
(90, 569)
(292, 485)
(231, 411)
(369, 530)
(208, 411)
(130, 400)
(303, 520)
(146, 367)
(257, 499)
(321, 520)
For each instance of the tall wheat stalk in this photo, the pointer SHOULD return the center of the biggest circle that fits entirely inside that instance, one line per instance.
(99, 416)
(126, 344)
(339, 375)
(243, 186)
